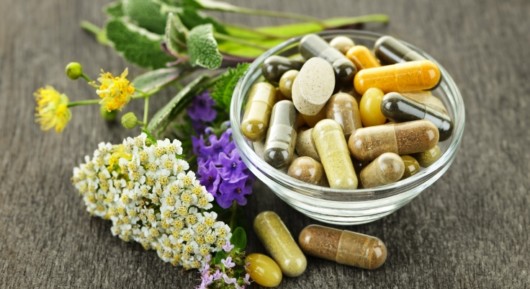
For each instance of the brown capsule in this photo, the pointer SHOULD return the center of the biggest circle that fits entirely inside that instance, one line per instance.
(385, 169)
(286, 82)
(412, 166)
(306, 169)
(305, 146)
(401, 138)
(343, 109)
(342, 246)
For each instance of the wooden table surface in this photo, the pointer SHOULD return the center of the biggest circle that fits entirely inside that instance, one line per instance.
(469, 230)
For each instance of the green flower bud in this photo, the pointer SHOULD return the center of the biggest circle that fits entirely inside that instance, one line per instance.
(74, 70)
(129, 120)
(108, 115)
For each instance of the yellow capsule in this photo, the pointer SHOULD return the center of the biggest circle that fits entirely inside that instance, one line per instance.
(258, 111)
(362, 57)
(412, 166)
(370, 107)
(286, 83)
(333, 151)
(263, 270)
(277, 240)
(400, 77)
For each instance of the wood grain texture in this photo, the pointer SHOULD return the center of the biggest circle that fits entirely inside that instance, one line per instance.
(469, 230)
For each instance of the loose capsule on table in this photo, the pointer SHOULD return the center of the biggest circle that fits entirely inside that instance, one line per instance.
(286, 82)
(275, 66)
(258, 111)
(389, 50)
(333, 151)
(362, 57)
(342, 43)
(313, 86)
(412, 166)
(281, 136)
(342, 246)
(312, 45)
(428, 157)
(398, 108)
(277, 240)
(370, 107)
(305, 146)
(263, 270)
(385, 169)
(306, 169)
(400, 138)
(406, 76)
(343, 109)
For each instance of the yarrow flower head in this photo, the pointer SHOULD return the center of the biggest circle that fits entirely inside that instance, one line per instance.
(151, 197)
(52, 109)
(115, 91)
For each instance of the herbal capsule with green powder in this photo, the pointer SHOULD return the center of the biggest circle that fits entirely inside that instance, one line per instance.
(389, 50)
(333, 151)
(342, 246)
(412, 166)
(275, 66)
(428, 157)
(258, 111)
(313, 45)
(281, 136)
(277, 240)
(406, 76)
(398, 108)
(401, 138)
(385, 169)
(343, 109)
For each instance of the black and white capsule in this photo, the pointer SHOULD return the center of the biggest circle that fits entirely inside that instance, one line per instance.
(275, 66)
(389, 50)
(313, 45)
(398, 108)
(281, 136)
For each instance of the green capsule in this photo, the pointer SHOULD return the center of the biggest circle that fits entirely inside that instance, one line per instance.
(428, 157)
(412, 166)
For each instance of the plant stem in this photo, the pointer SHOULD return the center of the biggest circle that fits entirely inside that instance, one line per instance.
(240, 41)
(233, 215)
(146, 112)
(98, 32)
(86, 78)
(254, 31)
(83, 102)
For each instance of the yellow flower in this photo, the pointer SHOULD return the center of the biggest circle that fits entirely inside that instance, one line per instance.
(115, 91)
(52, 109)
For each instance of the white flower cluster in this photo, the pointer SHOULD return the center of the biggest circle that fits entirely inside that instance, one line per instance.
(151, 197)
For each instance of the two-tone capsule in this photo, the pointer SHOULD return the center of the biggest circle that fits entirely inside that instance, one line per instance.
(342, 246)
(333, 151)
(258, 111)
(398, 108)
(275, 66)
(343, 109)
(401, 138)
(280, 244)
(390, 50)
(313, 45)
(281, 136)
(385, 169)
(406, 76)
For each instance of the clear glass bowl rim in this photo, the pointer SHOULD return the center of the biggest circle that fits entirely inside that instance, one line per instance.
(254, 162)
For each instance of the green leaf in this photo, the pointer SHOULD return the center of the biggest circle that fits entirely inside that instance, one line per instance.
(146, 14)
(136, 44)
(175, 36)
(166, 114)
(224, 87)
(155, 80)
(193, 18)
(239, 238)
(115, 9)
(202, 47)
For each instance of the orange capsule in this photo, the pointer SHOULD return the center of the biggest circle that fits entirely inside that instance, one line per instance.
(400, 77)
(362, 57)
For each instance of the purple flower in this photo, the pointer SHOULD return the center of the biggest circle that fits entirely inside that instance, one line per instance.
(228, 263)
(227, 247)
(247, 279)
(229, 280)
(233, 191)
(201, 108)
(217, 275)
(233, 168)
(209, 176)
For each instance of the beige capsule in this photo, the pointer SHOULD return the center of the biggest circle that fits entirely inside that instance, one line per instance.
(343, 109)
(341, 43)
(307, 170)
(278, 241)
(258, 111)
(385, 169)
(342, 246)
(333, 151)
(401, 138)
(305, 146)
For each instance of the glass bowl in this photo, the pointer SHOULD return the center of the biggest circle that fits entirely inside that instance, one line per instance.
(340, 206)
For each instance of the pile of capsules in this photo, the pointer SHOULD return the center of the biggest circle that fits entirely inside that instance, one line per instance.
(346, 118)
(341, 246)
